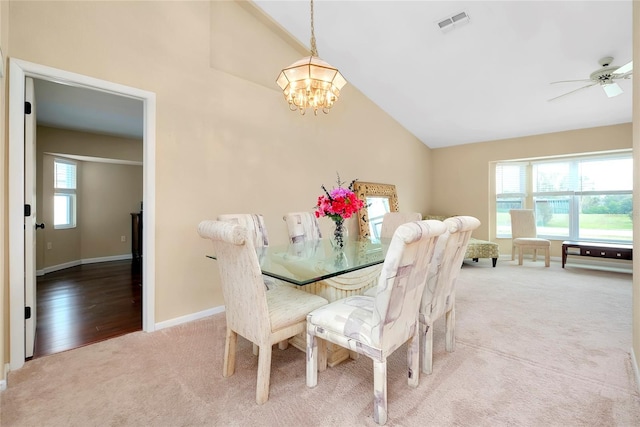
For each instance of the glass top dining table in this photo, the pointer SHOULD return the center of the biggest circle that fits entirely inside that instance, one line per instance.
(311, 261)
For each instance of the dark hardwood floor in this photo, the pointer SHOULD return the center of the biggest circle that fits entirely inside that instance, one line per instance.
(86, 304)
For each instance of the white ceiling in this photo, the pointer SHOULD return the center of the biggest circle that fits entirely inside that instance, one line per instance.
(487, 79)
(69, 107)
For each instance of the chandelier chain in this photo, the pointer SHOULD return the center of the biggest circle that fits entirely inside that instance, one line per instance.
(314, 49)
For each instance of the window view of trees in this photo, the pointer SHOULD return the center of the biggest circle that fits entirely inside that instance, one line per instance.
(578, 199)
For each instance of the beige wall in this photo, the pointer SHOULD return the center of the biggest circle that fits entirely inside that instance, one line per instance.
(224, 143)
(107, 194)
(464, 170)
(636, 185)
(63, 141)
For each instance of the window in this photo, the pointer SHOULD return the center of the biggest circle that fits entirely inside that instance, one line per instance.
(511, 192)
(587, 198)
(64, 194)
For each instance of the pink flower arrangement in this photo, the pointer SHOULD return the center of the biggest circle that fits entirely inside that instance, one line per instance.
(339, 203)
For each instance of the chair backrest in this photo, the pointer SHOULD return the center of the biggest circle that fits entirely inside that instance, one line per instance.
(523, 223)
(302, 226)
(401, 283)
(438, 296)
(242, 286)
(254, 223)
(392, 220)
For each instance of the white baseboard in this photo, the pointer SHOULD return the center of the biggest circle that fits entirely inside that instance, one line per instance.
(81, 262)
(634, 362)
(189, 317)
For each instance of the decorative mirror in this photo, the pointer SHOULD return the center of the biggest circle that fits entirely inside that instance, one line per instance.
(378, 200)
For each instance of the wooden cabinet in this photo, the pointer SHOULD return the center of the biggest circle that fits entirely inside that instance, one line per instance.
(136, 238)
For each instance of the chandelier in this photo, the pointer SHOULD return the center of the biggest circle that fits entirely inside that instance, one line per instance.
(310, 82)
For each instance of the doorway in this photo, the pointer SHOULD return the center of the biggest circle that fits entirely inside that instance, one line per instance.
(19, 71)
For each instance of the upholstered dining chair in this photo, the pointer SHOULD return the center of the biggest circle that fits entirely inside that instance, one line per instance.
(392, 220)
(302, 226)
(257, 231)
(262, 317)
(438, 298)
(524, 235)
(377, 326)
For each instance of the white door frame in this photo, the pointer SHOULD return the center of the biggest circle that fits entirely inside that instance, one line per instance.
(18, 70)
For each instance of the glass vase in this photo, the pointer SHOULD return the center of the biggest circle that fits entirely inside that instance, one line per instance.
(340, 234)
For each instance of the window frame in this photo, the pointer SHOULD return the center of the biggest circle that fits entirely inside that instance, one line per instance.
(70, 194)
(531, 198)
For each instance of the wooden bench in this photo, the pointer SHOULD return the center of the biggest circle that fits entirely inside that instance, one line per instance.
(596, 249)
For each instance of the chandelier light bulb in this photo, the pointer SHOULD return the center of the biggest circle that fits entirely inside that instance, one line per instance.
(311, 82)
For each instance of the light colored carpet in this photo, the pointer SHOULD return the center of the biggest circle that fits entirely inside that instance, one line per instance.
(535, 347)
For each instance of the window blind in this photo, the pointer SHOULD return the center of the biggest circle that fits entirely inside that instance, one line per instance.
(65, 175)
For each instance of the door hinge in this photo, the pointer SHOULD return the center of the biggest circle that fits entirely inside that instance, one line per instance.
(27, 107)
(27, 210)
(27, 313)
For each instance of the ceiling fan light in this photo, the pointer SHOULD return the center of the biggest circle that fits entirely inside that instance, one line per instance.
(612, 89)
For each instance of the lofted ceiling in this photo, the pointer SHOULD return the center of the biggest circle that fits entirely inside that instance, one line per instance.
(485, 79)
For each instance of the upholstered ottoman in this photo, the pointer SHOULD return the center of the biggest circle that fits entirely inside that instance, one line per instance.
(482, 249)
(477, 248)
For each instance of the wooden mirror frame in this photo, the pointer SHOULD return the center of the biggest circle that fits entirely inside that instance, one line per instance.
(373, 189)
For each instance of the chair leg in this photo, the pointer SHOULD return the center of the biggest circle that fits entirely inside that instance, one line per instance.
(535, 255)
(426, 356)
(312, 359)
(450, 330)
(264, 374)
(229, 365)
(255, 349)
(283, 345)
(546, 257)
(322, 355)
(513, 252)
(520, 255)
(413, 359)
(380, 391)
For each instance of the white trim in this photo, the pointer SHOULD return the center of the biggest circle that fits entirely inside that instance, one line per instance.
(189, 317)
(634, 365)
(96, 159)
(78, 262)
(19, 70)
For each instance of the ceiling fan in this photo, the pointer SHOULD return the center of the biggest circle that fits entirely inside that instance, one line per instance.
(605, 77)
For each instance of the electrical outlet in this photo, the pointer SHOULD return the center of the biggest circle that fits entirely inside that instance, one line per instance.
(123, 238)
(49, 245)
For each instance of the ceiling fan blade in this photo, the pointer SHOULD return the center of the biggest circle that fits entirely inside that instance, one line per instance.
(569, 93)
(612, 89)
(626, 68)
(571, 81)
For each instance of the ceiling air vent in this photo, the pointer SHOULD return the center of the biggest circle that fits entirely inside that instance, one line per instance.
(448, 23)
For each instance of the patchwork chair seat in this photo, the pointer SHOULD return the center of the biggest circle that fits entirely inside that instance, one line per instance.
(438, 299)
(348, 323)
(377, 326)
